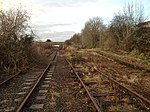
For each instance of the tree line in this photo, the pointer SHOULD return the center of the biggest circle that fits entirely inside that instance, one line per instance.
(122, 33)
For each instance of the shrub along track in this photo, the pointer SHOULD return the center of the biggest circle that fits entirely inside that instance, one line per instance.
(6, 76)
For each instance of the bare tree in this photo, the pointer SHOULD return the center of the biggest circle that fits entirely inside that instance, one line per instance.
(123, 25)
(92, 34)
(14, 42)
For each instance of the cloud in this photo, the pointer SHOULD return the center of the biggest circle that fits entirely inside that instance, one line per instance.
(50, 25)
(62, 18)
(52, 29)
(47, 27)
(56, 36)
(64, 3)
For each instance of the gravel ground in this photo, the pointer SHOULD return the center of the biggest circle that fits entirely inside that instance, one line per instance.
(68, 98)
(12, 93)
(4, 76)
(63, 92)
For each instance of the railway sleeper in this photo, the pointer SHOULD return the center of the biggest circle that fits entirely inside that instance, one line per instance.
(92, 89)
(106, 104)
(90, 83)
(109, 103)
(103, 95)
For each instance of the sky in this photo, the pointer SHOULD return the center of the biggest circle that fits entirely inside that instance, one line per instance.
(58, 20)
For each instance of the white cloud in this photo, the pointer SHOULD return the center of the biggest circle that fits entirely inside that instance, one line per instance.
(50, 17)
(56, 36)
(8, 4)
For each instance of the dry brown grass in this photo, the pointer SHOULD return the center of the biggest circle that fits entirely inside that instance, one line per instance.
(131, 58)
(40, 53)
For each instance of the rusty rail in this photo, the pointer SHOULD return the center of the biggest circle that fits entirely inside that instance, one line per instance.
(88, 93)
(35, 85)
(145, 100)
(7, 80)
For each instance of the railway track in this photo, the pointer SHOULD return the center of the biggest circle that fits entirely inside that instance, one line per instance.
(43, 92)
(46, 74)
(133, 78)
(54, 89)
(119, 60)
(141, 103)
(127, 80)
(54, 92)
(109, 95)
(85, 88)
(15, 91)
(10, 78)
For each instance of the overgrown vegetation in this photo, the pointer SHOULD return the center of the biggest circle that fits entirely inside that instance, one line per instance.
(93, 33)
(75, 58)
(141, 40)
(123, 32)
(17, 50)
(75, 40)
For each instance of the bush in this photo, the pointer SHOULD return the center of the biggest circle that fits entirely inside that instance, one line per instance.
(141, 40)
(15, 44)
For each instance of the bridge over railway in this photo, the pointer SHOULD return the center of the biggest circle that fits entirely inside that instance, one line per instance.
(55, 43)
(59, 45)
(52, 43)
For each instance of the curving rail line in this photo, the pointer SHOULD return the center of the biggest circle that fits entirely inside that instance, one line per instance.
(130, 91)
(141, 100)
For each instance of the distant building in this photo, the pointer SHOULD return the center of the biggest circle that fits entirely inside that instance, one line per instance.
(144, 24)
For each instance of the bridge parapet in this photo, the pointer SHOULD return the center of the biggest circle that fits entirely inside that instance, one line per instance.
(52, 43)
(55, 43)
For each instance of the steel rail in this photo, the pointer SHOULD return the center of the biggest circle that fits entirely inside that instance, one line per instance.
(88, 93)
(35, 85)
(124, 62)
(145, 100)
(7, 80)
